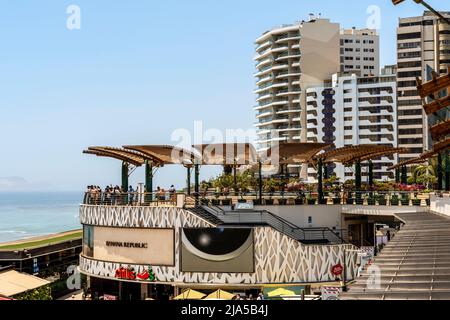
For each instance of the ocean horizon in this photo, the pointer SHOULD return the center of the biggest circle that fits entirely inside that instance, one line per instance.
(25, 215)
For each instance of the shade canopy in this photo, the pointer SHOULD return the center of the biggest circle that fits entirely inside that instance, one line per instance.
(13, 283)
(190, 294)
(438, 147)
(349, 154)
(165, 154)
(280, 292)
(134, 158)
(227, 154)
(293, 153)
(220, 295)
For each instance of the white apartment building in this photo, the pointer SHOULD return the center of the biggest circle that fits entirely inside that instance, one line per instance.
(355, 110)
(423, 43)
(289, 59)
(360, 52)
(292, 58)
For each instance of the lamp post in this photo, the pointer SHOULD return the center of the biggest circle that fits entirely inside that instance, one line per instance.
(196, 186)
(426, 5)
(148, 181)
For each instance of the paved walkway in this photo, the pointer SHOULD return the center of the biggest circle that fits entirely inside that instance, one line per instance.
(415, 265)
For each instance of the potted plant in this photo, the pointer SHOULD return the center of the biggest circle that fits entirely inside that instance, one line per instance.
(381, 198)
(336, 195)
(405, 199)
(310, 199)
(394, 200)
(269, 186)
(416, 201)
(297, 188)
(370, 199)
(359, 199)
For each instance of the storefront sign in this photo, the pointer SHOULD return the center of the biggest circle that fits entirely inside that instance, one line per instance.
(121, 244)
(109, 297)
(337, 269)
(155, 247)
(130, 274)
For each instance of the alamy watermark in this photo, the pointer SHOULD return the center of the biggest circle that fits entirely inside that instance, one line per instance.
(73, 21)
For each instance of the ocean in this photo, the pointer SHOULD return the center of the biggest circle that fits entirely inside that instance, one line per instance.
(29, 214)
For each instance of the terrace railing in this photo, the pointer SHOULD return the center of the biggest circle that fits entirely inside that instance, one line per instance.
(130, 198)
(382, 198)
(323, 235)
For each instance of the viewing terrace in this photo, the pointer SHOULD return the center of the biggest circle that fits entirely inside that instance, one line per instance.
(258, 179)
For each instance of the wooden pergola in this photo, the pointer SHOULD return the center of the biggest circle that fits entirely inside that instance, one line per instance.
(423, 158)
(239, 154)
(350, 155)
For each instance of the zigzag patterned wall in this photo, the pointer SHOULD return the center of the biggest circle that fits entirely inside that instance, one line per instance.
(278, 258)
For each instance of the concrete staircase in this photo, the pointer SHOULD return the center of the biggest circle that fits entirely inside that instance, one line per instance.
(414, 265)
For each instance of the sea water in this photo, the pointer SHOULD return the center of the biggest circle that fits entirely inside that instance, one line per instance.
(25, 214)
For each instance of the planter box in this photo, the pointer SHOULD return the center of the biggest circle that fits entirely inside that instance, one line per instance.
(416, 202)
(427, 201)
(350, 201)
(204, 202)
(311, 201)
(382, 202)
(370, 202)
(405, 202)
(323, 201)
(282, 202)
(269, 202)
(298, 201)
(256, 202)
(215, 202)
(242, 201)
(336, 200)
(395, 202)
(359, 201)
(226, 202)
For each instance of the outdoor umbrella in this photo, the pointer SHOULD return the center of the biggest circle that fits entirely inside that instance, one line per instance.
(280, 292)
(190, 294)
(220, 295)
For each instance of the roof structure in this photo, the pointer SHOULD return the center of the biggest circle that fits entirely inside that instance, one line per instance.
(293, 153)
(13, 283)
(130, 157)
(227, 154)
(438, 147)
(350, 154)
(164, 154)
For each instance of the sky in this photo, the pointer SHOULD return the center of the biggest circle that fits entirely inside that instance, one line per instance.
(135, 72)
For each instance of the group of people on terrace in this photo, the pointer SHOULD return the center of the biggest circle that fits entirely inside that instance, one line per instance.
(116, 195)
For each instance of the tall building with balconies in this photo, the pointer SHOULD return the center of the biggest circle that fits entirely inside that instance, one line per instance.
(289, 59)
(355, 110)
(423, 44)
(360, 52)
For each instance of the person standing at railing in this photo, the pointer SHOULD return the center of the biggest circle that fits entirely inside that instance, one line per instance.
(130, 195)
(172, 192)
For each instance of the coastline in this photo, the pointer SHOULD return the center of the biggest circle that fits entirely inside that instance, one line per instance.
(45, 240)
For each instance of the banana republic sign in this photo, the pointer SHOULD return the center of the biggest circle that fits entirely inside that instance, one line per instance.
(154, 247)
(121, 244)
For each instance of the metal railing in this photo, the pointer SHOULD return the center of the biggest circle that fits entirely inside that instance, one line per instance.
(382, 198)
(129, 198)
(264, 217)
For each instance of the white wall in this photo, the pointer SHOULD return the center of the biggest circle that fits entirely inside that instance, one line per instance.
(440, 205)
(322, 215)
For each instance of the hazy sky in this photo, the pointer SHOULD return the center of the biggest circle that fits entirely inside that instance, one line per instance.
(135, 72)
